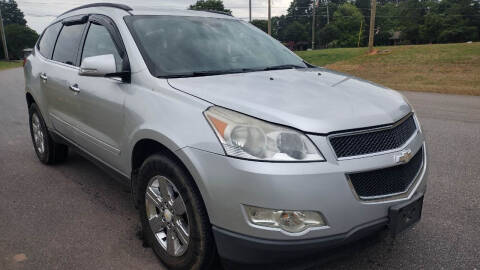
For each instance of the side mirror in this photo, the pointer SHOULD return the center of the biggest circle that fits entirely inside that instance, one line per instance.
(98, 66)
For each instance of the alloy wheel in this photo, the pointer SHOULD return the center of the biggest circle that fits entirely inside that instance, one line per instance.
(38, 136)
(167, 215)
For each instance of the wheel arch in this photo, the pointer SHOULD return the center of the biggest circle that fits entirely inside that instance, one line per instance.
(145, 142)
(147, 146)
(30, 99)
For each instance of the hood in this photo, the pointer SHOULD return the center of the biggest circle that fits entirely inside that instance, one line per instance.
(312, 100)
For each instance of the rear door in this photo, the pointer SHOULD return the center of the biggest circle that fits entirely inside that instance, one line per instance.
(42, 65)
(62, 71)
(101, 99)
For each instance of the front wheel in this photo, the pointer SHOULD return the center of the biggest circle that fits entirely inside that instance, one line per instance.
(174, 220)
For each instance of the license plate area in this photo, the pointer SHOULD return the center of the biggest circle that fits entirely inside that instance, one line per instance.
(403, 216)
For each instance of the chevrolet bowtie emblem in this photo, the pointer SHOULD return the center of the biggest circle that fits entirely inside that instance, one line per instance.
(404, 156)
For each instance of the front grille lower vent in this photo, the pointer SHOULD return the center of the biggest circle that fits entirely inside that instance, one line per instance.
(389, 181)
(367, 142)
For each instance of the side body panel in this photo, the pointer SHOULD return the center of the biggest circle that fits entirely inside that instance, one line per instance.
(101, 125)
(63, 109)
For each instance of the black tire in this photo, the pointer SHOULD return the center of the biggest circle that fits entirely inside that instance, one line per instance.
(200, 252)
(52, 152)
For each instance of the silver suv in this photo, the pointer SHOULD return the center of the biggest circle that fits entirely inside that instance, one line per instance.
(232, 144)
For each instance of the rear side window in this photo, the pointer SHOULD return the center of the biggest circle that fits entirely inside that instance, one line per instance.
(47, 42)
(100, 42)
(68, 43)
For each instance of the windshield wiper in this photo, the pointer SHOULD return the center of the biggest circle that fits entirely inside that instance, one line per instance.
(283, 67)
(229, 71)
(215, 72)
(210, 73)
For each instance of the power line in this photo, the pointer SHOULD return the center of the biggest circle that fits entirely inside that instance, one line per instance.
(348, 16)
(325, 6)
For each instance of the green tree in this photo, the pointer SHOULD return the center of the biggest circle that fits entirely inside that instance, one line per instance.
(18, 37)
(328, 34)
(418, 21)
(412, 14)
(11, 13)
(387, 22)
(298, 18)
(364, 7)
(345, 26)
(214, 5)
(261, 24)
(324, 36)
(432, 27)
(296, 32)
(461, 20)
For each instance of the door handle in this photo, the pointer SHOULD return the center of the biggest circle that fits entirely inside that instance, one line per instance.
(44, 77)
(75, 88)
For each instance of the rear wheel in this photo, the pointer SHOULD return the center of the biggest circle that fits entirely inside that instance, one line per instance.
(174, 220)
(48, 151)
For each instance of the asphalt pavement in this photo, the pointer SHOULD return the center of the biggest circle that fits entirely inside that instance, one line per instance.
(75, 216)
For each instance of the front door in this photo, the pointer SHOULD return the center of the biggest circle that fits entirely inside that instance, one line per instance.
(101, 99)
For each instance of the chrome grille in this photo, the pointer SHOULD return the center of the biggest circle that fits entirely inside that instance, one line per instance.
(389, 181)
(373, 141)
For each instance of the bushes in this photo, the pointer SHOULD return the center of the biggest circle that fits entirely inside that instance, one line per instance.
(19, 37)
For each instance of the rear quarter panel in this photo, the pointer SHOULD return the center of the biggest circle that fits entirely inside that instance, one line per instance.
(34, 65)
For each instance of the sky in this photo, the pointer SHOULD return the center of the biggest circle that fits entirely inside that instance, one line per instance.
(39, 13)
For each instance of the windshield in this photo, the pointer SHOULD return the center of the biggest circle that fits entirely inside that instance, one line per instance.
(177, 46)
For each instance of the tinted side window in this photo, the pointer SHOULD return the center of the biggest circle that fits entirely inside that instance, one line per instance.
(99, 42)
(47, 42)
(68, 43)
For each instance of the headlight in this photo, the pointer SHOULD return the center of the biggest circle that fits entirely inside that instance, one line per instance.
(247, 137)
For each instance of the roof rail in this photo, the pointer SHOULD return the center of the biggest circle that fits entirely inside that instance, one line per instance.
(119, 6)
(215, 11)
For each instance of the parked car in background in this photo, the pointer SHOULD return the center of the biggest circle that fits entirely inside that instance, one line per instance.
(231, 143)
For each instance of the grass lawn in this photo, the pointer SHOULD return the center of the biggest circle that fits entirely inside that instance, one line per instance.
(10, 64)
(442, 68)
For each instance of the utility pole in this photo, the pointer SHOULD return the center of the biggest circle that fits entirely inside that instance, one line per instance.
(360, 33)
(313, 23)
(328, 13)
(373, 8)
(250, 10)
(270, 17)
(4, 40)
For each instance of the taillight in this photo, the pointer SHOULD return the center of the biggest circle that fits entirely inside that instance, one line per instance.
(24, 61)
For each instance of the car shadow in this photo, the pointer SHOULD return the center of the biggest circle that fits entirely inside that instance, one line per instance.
(336, 258)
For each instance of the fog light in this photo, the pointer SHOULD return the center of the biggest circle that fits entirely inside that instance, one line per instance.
(290, 221)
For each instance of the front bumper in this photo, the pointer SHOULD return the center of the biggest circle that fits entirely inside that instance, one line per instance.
(243, 249)
(228, 183)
